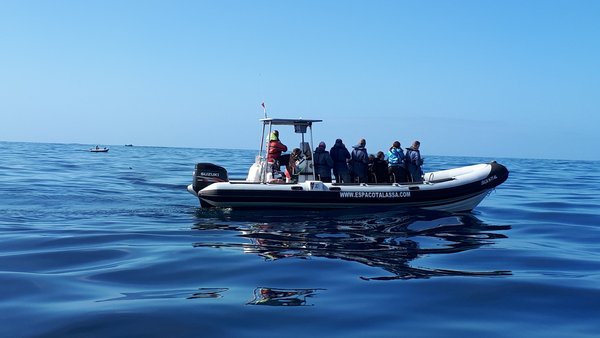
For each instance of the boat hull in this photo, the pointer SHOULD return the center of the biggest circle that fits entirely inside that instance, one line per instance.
(459, 189)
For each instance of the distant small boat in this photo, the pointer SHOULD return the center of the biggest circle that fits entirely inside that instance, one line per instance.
(99, 150)
(129, 145)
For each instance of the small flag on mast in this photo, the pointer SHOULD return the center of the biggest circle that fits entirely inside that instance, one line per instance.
(264, 108)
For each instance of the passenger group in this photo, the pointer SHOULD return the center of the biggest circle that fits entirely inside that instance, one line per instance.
(349, 167)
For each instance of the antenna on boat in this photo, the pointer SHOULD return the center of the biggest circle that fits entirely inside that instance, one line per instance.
(260, 87)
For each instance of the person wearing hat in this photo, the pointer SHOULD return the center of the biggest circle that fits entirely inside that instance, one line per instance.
(275, 149)
(323, 163)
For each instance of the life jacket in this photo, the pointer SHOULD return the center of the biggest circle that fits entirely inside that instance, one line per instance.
(275, 150)
(396, 157)
(408, 158)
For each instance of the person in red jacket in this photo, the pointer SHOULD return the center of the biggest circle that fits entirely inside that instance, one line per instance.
(275, 149)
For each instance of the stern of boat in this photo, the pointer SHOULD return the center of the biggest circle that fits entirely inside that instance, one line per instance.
(204, 175)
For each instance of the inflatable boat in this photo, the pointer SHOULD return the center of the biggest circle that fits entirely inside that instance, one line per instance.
(99, 150)
(457, 189)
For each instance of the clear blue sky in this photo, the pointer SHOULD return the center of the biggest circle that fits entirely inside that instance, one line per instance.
(473, 78)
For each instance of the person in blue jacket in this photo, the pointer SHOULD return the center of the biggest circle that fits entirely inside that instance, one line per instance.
(360, 162)
(340, 156)
(323, 163)
(397, 167)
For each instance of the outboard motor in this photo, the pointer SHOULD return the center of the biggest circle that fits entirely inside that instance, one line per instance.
(206, 174)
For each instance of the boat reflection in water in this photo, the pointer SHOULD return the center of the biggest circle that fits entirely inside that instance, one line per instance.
(386, 240)
(282, 297)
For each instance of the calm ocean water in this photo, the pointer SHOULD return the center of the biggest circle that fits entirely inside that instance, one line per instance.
(112, 245)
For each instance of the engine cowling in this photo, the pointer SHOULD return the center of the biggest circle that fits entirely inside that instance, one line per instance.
(206, 174)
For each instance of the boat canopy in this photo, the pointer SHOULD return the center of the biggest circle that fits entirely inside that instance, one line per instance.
(301, 126)
(289, 122)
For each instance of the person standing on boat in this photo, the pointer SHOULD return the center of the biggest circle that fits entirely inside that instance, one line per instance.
(323, 163)
(414, 161)
(340, 156)
(397, 167)
(275, 149)
(360, 161)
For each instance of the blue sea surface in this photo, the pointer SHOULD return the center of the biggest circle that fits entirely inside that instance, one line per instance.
(112, 245)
